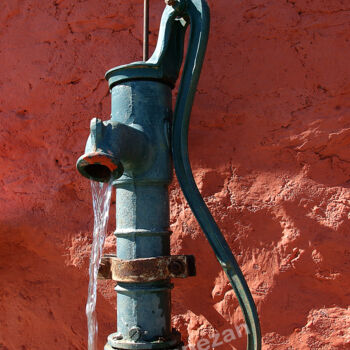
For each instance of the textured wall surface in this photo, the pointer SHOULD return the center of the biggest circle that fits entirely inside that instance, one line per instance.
(270, 150)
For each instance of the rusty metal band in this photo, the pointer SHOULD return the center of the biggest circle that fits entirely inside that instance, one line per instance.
(146, 269)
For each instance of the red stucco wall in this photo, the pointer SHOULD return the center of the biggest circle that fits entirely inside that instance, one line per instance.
(269, 142)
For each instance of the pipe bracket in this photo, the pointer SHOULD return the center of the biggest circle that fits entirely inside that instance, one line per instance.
(146, 269)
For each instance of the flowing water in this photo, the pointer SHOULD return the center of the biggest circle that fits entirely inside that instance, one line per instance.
(101, 198)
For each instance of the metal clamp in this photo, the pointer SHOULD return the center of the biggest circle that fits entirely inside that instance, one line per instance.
(146, 269)
(116, 341)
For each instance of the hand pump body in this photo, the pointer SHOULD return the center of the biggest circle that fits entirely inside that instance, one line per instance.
(134, 148)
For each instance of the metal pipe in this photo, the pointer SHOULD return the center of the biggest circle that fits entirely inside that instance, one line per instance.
(142, 206)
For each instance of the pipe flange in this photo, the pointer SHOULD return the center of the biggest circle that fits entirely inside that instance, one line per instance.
(161, 343)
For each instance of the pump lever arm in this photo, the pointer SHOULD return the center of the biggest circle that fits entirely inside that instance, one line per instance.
(198, 13)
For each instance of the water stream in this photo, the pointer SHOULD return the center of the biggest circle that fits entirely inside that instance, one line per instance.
(101, 198)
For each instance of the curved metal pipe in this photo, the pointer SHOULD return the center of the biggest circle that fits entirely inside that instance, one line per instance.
(198, 12)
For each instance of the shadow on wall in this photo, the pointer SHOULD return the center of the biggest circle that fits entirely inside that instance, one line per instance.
(43, 294)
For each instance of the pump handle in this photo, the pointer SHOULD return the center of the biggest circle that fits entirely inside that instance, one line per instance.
(198, 13)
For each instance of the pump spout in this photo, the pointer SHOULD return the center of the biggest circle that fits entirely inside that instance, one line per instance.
(112, 149)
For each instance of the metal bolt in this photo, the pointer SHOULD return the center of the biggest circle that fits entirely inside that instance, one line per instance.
(135, 333)
(118, 336)
(176, 267)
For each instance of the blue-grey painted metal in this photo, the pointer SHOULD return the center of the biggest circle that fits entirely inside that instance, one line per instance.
(134, 148)
(198, 12)
(142, 206)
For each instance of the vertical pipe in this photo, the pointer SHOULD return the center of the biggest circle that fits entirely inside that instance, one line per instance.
(145, 29)
(142, 217)
(143, 305)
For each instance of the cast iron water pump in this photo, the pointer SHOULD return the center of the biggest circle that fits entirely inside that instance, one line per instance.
(134, 148)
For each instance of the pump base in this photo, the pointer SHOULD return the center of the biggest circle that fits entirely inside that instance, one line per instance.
(177, 347)
(173, 343)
